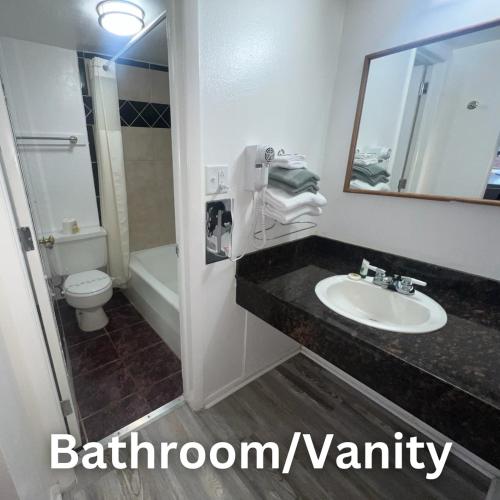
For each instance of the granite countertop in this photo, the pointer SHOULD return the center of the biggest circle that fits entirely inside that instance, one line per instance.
(449, 378)
(464, 353)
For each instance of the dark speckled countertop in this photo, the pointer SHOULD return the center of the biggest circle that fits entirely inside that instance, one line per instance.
(449, 378)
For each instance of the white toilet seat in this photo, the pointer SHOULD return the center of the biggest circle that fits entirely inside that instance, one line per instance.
(87, 292)
(87, 284)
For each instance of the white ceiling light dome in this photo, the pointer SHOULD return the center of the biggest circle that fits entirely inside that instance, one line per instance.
(120, 17)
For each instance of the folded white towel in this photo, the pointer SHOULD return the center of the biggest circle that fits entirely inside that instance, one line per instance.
(290, 164)
(365, 160)
(293, 156)
(381, 152)
(281, 200)
(284, 217)
(381, 186)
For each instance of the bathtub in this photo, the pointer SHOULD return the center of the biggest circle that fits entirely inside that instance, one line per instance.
(153, 290)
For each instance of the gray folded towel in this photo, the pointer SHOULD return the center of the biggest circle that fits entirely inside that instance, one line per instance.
(296, 179)
(373, 180)
(308, 187)
(370, 170)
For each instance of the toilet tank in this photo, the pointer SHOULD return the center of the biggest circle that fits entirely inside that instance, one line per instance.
(83, 251)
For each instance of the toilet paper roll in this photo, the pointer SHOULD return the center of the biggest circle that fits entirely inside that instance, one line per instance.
(68, 225)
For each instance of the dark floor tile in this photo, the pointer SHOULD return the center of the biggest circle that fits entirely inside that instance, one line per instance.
(74, 335)
(122, 317)
(115, 416)
(112, 393)
(64, 312)
(117, 300)
(129, 341)
(88, 356)
(102, 386)
(164, 391)
(152, 365)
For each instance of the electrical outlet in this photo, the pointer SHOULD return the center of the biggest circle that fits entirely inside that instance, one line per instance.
(216, 179)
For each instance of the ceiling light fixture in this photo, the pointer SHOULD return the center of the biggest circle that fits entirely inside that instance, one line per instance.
(120, 17)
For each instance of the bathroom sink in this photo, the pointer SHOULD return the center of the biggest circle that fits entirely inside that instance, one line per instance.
(371, 305)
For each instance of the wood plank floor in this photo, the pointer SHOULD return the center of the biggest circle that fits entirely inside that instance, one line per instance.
(297, 396)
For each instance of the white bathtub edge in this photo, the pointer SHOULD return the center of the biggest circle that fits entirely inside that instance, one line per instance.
(158, 304)
(169, 335)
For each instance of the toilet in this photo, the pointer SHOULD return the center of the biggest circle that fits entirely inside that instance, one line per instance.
(81, 257)
(87, 292)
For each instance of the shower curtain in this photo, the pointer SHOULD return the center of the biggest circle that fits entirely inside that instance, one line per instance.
(109, 150)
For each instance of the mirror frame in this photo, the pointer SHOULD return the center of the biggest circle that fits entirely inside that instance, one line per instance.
(359, 111)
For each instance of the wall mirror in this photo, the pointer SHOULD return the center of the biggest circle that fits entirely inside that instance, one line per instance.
(428, 120)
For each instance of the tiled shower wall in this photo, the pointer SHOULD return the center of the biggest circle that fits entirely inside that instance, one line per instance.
(148, 156)
(145, 114)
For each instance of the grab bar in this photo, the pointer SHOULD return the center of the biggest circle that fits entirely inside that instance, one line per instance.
(73, 139)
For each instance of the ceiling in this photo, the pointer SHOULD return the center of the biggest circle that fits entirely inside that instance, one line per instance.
(72, 24)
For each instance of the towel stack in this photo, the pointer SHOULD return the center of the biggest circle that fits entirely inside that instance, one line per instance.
(290, 162)
(293, 190)
(369, 169)
(364, 186)
(285, 207)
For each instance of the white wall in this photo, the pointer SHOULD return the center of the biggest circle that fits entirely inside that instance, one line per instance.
(44, 96)
(451, 234)
(464, 141)
(256, 72)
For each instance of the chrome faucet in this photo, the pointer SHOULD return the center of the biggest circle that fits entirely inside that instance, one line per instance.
(380, 278)
(404, 285)
(400, 284)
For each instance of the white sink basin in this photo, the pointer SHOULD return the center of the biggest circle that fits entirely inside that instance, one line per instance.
(371, 305)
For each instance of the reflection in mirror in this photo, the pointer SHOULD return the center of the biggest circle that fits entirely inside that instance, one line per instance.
(429, 123)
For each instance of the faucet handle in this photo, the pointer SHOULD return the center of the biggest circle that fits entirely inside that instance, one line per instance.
(366, 267)
(405, 285)
(380, 278)
(412, 281)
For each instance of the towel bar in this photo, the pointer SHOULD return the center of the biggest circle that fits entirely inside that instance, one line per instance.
(73, 139)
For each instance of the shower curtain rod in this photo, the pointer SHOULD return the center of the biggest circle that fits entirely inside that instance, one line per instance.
(151, 26)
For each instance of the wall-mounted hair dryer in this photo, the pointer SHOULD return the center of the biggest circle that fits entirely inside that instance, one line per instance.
(258, 159)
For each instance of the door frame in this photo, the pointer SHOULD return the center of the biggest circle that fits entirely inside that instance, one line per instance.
(185, 109)
(23, 218)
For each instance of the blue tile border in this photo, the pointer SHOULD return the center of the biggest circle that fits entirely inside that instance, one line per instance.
(123, 60)
(144, 114)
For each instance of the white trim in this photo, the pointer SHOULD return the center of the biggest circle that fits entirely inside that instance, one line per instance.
(245, 339)
(239, 383)
(182, 38)
(459, 451)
